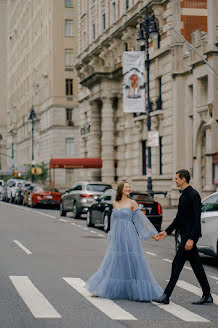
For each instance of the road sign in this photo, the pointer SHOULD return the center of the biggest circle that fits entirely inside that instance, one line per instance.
(153, 139)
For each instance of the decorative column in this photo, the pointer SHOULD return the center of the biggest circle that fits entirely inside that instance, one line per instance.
(107, 141)
(94, 138)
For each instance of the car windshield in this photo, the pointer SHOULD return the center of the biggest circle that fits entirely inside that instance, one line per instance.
(38, 189)
(97, 187)
(140, 197)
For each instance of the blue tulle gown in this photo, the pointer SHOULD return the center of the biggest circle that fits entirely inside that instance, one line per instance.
(124, 272)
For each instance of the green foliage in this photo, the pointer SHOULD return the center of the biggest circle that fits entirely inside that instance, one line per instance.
(42, 177)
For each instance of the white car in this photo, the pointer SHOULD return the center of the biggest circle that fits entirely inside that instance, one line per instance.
(208, 243)
(12, 188)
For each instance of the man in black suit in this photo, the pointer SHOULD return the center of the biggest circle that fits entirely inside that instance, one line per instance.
(188, 224)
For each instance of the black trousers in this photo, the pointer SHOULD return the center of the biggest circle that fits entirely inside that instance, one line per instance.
(193, 257)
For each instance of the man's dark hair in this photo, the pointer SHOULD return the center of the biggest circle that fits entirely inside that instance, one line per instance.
(184, 174)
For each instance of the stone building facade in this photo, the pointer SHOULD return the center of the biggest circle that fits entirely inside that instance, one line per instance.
(183, 92)
(3, 84)
(42, 37)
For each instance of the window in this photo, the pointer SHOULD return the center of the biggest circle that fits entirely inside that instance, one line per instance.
(68, 27)
(69, 87)
(68, 57)
(210, 204)
(77, 187)
(160, 156)
(69, 112)
(93, 31)
(69, 3)
(97, 187)
(114, 10)
(159, 98)
(69, 146)
(127, 4)
(144, 158)
(104, 22)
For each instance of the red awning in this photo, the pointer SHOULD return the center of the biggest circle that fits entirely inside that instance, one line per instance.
(75, 163)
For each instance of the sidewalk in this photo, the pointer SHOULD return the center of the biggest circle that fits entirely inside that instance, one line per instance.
(168, 216)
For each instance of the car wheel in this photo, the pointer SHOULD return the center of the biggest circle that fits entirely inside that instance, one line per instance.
(62, 211)
(89, 219)
(76, 214)
(106, 222)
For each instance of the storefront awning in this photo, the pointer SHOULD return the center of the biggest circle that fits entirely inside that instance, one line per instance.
(75, 163)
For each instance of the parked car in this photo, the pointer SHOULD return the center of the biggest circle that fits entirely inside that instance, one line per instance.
(11, 184)
(13, 189)
(27, 192)
(19, 194)
(99, 213)
(80, 196)
(44, 196)
(2, 183)
(208, 243)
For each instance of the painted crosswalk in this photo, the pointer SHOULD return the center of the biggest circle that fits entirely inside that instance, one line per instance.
(108, 307)
(40, 307)
(195, 290)
(33, 298)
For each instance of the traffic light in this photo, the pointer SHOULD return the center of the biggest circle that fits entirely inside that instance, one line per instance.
(17, 174)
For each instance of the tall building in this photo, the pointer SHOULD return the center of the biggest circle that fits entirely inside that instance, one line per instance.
(3, 84)
(41, 54)
(182, 90)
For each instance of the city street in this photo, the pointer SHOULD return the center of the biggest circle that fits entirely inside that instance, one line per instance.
(45, 260)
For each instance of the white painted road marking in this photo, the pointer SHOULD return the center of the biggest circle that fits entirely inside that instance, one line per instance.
(35, 301)
(22, 247)
(62, 220)
(181, 312)
(170, 261)
(92, 231)
(193, 289)
(41, 213)
(213, 277)
(107, 306)
(149, 253)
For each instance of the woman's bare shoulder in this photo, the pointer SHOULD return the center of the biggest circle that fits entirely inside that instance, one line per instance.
(114, 204)
(134, 204)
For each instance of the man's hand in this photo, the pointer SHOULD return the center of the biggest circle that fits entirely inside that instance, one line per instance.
(160, 236)
(189, 244)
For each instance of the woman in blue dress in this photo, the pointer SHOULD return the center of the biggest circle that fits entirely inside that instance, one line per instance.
(124, 272)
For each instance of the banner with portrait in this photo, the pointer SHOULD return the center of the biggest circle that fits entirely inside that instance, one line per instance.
(134, 82)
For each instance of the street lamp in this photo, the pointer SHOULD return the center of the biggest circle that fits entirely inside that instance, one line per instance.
(148, 27)
(32, 116)
(0, 152)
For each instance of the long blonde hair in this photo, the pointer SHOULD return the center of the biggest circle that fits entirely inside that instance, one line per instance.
(120, 190)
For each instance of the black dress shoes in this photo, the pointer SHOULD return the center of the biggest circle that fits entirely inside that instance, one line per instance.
(204, 300)
(164, 299)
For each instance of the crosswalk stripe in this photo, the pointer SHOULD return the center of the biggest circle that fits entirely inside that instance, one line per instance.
(107, 306)
(167, 260)
(35, 301)
(193, 289)
(213, 277)
(149, 253)
(26, 250)
(181, 312)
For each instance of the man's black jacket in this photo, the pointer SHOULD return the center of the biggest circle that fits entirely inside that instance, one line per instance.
(188, 218)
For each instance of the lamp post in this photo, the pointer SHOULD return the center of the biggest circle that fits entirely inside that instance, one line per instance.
(0, 152)
(148, 27)
(32, 117)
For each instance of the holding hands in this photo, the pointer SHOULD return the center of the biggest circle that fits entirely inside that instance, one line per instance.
(160, 236)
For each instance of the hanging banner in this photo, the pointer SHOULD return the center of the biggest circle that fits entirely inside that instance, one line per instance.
(153, 139)
(133, 82)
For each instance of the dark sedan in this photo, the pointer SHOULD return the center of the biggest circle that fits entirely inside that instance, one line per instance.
(100, 211)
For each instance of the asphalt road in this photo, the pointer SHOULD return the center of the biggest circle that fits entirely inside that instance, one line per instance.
(45, 260)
